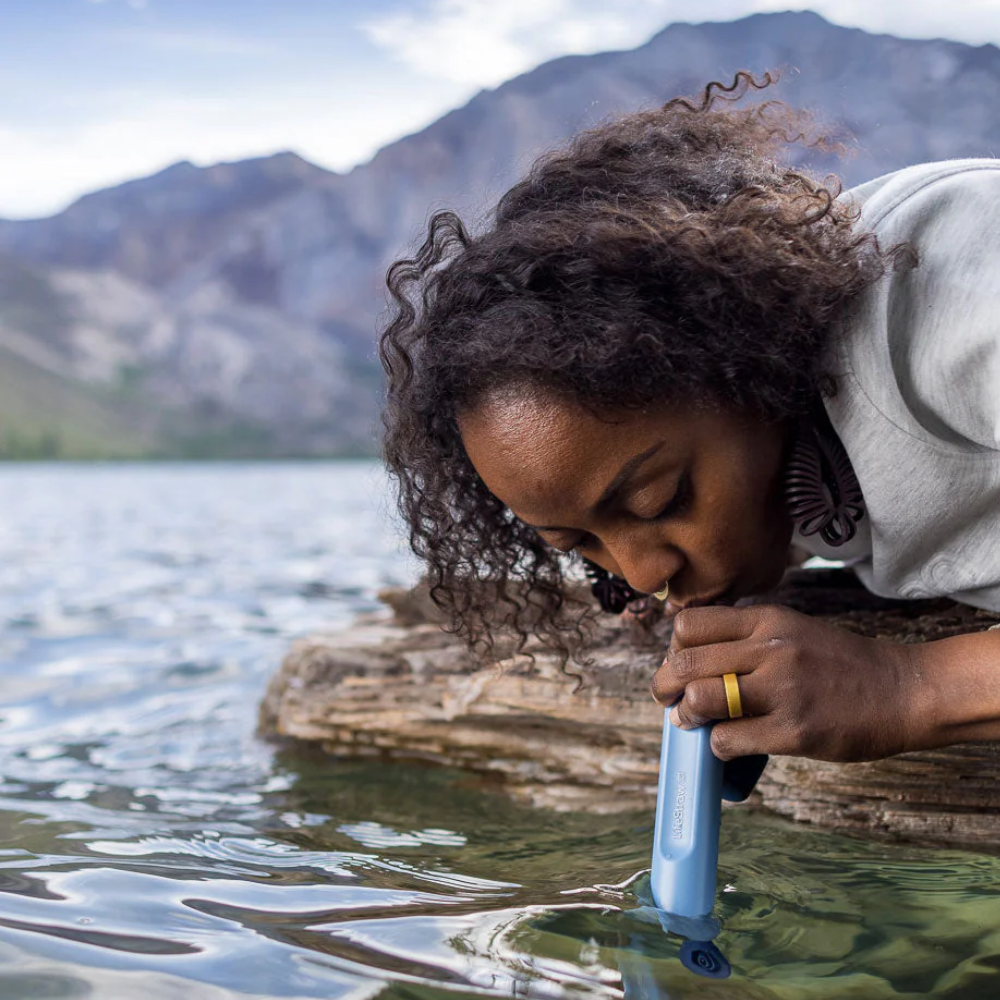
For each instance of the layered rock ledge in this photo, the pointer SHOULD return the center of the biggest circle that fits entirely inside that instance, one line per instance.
(399, 687)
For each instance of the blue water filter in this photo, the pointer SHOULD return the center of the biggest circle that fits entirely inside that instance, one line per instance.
(688, 816)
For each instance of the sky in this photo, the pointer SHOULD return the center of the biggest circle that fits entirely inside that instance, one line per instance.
(95, 92)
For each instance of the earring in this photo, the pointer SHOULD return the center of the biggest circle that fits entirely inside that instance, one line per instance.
(821, 488)
(612, 592)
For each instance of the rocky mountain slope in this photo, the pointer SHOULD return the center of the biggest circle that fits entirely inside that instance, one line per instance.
(233, 308)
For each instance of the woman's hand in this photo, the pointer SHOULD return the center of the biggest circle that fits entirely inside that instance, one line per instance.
(807, 687)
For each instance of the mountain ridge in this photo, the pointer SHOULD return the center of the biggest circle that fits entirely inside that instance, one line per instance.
(225, 253)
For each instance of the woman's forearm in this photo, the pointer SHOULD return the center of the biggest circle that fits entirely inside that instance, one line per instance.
(954, 690)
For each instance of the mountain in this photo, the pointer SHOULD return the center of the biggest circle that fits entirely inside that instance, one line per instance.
(113, 297)
(234, 306)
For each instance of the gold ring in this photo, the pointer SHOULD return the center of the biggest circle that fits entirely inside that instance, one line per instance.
(733, 702)
(662, 595)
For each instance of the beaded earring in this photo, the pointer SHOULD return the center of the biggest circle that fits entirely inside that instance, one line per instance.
(821, 488)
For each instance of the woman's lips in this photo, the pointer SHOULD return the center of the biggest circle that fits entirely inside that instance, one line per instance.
(725, 599)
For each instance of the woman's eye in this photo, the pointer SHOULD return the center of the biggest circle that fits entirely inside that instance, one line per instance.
(678, 503)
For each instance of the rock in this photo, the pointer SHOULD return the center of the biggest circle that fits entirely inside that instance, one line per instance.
(588, 738)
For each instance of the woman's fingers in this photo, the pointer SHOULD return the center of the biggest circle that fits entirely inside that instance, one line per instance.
(741, 738)
(681, 669)
(705, 701)
(710, 642)
(766, 734)
(704, 626)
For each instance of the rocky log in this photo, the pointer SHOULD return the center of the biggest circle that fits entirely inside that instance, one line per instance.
(397, 686)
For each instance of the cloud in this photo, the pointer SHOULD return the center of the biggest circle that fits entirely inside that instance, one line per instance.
(485, 42)
(196, 43)
(70, 138)
(971, 21)
(49, 165)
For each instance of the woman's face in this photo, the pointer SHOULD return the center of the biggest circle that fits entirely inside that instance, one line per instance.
(692, 499)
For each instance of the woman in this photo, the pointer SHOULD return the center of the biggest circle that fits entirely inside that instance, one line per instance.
(672, 356)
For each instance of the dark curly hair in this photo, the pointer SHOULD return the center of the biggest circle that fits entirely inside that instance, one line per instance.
(668, 253)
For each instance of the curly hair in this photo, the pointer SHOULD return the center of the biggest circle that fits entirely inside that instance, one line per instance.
(665, 254)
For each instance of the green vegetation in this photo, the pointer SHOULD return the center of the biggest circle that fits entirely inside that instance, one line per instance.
(44, 415)
(29, 303)
(17, 445)
(234, 441)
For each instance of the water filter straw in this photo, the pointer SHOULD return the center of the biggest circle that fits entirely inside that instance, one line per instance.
(688, 816)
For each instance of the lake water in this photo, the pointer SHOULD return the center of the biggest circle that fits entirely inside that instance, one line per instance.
(152, 846)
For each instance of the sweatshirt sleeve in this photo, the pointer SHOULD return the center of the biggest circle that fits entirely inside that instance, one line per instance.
(942, 318)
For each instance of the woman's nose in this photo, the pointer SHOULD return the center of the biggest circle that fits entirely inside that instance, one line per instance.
(646, 568)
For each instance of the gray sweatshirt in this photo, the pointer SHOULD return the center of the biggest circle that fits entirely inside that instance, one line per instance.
(917, 363)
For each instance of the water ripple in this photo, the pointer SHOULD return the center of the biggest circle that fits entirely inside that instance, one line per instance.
(151, 845)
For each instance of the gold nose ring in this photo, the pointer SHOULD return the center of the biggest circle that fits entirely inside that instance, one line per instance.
(662, 595)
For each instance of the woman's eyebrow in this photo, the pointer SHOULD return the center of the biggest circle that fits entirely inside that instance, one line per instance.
(625, 473)
(614, 488)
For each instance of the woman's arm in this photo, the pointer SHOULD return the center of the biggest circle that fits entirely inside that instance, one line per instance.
(811, 689)
(957, 698)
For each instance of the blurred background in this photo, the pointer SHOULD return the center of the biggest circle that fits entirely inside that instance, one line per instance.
(198, 200)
